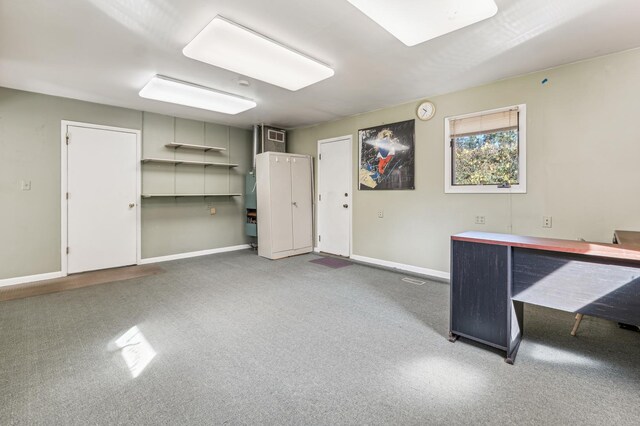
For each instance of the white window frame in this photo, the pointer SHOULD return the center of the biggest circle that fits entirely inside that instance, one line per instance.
(520, 188)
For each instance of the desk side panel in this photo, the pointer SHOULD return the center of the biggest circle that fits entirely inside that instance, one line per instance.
(479, 291)
(602, 288)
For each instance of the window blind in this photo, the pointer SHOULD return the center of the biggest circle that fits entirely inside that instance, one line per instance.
(484, 123)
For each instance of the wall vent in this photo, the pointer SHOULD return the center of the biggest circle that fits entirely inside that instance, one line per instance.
(273, 139)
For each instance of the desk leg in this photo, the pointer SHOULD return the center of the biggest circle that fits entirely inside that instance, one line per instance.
(516, 330)
(511, 353)
(576, 324)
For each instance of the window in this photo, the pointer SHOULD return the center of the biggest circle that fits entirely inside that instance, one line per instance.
(485, 152)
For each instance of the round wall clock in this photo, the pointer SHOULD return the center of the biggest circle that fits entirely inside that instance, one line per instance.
(426, 110)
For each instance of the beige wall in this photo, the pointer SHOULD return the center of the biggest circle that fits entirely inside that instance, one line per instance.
(583, 153)
(30, 150)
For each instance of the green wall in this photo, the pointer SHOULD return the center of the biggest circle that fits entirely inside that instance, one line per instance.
(30, 150)
(583, 138)
(583, 148)
(179, 225)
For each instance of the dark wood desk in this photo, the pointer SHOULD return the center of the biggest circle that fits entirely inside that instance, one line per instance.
(493, 275)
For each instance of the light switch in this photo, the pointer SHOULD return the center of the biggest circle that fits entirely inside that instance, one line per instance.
(213, 211)
(25, 185)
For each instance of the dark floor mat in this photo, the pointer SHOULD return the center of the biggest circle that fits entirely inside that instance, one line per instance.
(332, 262)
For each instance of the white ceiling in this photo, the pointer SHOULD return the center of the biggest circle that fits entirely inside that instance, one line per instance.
(105, 51)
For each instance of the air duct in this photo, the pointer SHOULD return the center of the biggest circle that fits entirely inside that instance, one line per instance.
(256, 138)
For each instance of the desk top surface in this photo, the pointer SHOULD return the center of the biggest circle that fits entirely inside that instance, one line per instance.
(627, 237)
(612, 251)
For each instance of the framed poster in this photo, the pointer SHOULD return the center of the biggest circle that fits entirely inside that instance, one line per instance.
(387, 156)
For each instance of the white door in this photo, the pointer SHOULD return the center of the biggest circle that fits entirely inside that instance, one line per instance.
(102, 200)
(334, 195)
(301, 210)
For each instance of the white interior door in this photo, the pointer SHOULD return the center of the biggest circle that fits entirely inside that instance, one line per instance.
(102, 201)
(301, 210)
(334, 196)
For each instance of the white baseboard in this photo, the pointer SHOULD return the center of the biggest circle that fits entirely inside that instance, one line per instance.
(402, 267)
(51, 275)
(30, 278)
(192, 254)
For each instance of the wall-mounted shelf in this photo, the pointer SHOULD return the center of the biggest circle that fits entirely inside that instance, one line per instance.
(204, 148)
(194, 163)
(189, 195)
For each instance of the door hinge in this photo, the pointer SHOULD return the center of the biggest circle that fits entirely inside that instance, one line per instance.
(319, 238)
(319, 197)
(67, 250)
(68, 136)
(67, 195)
(320, 156)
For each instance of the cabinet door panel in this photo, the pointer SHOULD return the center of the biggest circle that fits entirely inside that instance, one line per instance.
(281, 230)
(479, 291)
(301, 202)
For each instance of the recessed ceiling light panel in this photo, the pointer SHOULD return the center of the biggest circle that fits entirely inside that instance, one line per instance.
(228, 45)
(416, 21)
(179, 92)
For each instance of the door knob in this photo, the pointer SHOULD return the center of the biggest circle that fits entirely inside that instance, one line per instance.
(132, 205)
(345, 205)
(295, 204)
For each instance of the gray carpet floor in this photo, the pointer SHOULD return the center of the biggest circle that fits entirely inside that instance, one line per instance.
(243, 340)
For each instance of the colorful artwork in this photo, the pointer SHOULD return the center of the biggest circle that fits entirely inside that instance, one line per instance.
(387, 156)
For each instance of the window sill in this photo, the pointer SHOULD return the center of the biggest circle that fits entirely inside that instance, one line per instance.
(485, 189)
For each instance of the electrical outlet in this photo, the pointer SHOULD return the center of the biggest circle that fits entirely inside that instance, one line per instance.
(480, 220)
(213, 210)
(25, 185)
(380, 214)
(546, 221)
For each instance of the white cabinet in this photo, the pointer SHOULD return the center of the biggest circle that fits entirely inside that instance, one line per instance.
(284, 204)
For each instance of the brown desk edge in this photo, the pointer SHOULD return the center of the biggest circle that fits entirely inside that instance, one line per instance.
(611, 251)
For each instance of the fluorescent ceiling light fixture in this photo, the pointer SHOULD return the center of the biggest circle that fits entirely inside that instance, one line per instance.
(166, 89)
(416, 21)
(227, 45)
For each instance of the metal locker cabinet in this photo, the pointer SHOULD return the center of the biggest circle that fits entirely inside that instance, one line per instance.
(302, 213)
(285, 204)
(280, 203)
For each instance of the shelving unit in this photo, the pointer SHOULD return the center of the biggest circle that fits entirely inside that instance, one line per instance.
(204, 148)
(194, 163)
(190, 161)
(189, 195)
